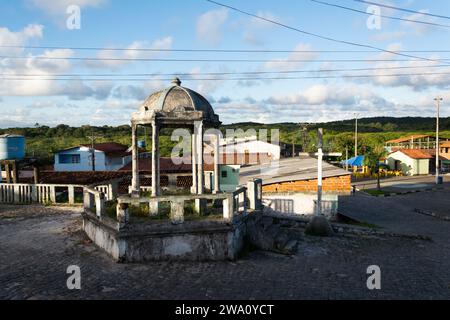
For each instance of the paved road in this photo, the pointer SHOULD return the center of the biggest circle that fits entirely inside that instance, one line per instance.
(38, 244)
(401, 184)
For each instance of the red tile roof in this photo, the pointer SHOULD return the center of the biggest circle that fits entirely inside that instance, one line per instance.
(416, 153)
(409, 138)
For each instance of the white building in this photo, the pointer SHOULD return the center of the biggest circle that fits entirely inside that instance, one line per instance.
(250, 145)
(109, 156)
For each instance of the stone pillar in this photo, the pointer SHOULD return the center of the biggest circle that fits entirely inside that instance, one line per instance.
(71, 192)
(155, 160)
(253, 194)
(36, 174)
(177, 211)
(15, 171)
(208, 181)
(200, 176)
(194, 188)
(122, 215)
(113, 190)
(8, 172)
(216, 164)
(100, 205)
(53, 194)
(228, 208)
(135, 183)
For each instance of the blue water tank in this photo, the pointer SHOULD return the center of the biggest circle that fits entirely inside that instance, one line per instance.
(141, 144)
(12, 147)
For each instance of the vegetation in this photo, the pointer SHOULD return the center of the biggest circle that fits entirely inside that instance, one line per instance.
(44, 141)
(372, 159)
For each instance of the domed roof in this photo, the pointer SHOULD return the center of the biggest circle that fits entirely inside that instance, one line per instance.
(177, 99)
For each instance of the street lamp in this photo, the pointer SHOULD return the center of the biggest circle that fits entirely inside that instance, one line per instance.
(356, 134)
(438, 101)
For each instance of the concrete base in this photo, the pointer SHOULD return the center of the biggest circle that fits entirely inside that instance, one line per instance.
(192, 240)
(153, 208)
(319, 226)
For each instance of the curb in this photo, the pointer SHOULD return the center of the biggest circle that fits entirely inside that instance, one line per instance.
(432, 214)
(392, 194)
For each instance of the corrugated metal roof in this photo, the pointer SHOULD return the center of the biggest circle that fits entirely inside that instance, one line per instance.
(7, 135)
(293, 169)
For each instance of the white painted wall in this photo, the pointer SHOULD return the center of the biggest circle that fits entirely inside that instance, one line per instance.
(301, 203)
(254, 146)
(102, 162)
(409, 166)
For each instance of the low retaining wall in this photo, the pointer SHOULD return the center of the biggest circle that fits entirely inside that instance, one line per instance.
(155, 241)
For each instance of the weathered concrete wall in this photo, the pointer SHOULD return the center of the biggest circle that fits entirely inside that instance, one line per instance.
(192, 240)
(301, 203)
(104, 236)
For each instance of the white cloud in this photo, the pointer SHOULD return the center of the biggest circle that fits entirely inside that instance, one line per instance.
(131, 53)
(19, 38)
(304, 54)
(209, 25)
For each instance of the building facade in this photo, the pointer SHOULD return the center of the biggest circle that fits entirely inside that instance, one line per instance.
(411, 162)
(108, 157)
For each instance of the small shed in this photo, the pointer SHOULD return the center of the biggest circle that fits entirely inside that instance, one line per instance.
(411, 162)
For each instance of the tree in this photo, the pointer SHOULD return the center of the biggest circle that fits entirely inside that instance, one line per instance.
(372, 160)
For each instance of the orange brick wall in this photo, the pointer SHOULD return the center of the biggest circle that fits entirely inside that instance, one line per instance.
(333, 184)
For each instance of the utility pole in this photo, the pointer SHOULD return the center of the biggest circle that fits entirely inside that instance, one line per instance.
(93, 150)
(319, 171)
(346, 158)
(438, 101)
(356, 134)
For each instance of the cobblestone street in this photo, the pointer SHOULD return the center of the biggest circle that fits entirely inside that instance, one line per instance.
(38, 244)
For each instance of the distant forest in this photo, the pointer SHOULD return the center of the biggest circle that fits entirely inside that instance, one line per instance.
(44, 141)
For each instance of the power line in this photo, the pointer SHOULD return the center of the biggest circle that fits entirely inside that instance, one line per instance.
(239, 78)
(383, 16)
(209, 50)
(318, 35)
(403, 9)
(215, 73)
(216, 60)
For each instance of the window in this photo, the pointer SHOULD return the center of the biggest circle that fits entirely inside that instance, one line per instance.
(69, 158)
(224, 174)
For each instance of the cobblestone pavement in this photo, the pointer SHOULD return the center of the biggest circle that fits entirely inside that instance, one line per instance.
(37, 249)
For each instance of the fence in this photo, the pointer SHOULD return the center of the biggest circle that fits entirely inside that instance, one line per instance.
(20, 193)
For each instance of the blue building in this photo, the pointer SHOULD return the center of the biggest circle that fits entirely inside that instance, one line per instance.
(109, 156)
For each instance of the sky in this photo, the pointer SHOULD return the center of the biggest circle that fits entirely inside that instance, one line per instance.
(57, 85)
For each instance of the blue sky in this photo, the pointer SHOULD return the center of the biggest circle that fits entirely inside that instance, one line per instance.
(197, 24)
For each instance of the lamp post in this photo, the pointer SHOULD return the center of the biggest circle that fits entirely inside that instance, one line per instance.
(356, 134)
(438, 101)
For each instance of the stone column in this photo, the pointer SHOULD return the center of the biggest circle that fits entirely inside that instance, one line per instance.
(154, 205)
(135, 183)
(200, 204)
(194, 189)
(8, 172)
(200, 177)
(15, 172)
(71, 193)
(155, 160)
(216, 164)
